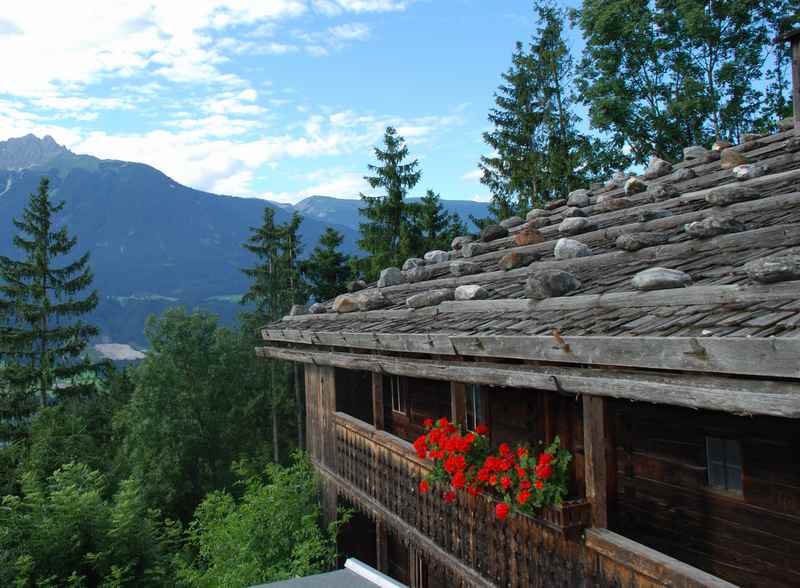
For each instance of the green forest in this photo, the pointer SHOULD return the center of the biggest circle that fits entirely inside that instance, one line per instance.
(187, 469)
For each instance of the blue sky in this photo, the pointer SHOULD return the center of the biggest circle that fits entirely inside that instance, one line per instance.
(277, 99)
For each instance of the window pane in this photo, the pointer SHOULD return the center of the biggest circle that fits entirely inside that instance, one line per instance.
(733, 479)
(733, 453)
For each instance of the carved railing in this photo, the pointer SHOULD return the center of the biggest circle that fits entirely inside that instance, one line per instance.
(521, 551)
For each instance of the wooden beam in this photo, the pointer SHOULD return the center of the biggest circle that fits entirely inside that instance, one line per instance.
(756, 356)
(377, 401)
(594, 444)
(458, 403)
(664, 570)
(764, 397)
(382, 546)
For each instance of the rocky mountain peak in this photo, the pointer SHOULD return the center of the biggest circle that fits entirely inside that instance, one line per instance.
(27, 151)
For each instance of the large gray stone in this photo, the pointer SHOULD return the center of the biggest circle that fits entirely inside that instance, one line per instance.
(779, 268)
(419, 274)
(574, 212)
(748, 171)
(492, 232)
(695, 152)
(437, 256)
(661, 191)
(550, 283)
(656, 168)
(535, 213)
(660, 278)
(413, 262)
(356, 285)
(471, 292)
(605, 198)
(786, 124)
(730, 194)
(570, 249)
(574, 226)
(473, 249)
(464, 268)
(391, 276)
(539, 222)
(634, 186)
(649, 214)
(713, 225)
(578, 198)
(317, 308)
(346, 303)
(459, 242)
(636, 241)
(680, 175)
(430, 298)
(528, 236)
(515, 259)
(613, 204)
(512, 222)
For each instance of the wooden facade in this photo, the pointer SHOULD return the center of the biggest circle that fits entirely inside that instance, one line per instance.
(680, 407)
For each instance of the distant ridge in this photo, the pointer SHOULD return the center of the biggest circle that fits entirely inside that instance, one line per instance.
(27, 151)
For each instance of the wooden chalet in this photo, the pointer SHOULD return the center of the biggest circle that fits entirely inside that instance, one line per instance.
(677, 390)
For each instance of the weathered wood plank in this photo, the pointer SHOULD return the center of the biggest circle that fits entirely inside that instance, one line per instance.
(693, 391)
(649, 562)
(377, 401)
(758, 356)
(594, 446)
(458, 403)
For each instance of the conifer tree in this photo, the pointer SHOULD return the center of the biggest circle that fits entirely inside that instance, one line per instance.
(43, 336)
(266, 292)
(327, 270)
(384, 233)
(431, 225)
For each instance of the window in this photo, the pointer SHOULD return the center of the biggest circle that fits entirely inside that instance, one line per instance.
(724, 464)
(397, 394)
(474, 409)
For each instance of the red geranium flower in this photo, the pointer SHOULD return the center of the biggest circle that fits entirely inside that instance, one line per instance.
(544, 471)
(505, 482)
(443, 423)
(424, 486)
(522, 452)
(523, 496)
(482, 430)
(493, 480)
(545, 458)
(525, 485)
(428, 423)
(521, 473)
(538, 484)
(449, 496)
(505, 450)
(459, 479)
(501, 511)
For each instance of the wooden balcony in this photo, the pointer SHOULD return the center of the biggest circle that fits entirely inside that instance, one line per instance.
(387, 470)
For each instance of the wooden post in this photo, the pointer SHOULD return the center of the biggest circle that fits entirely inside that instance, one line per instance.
(458, 403)
(793, 37)
(377, 401)
(382, 546)
(594, 444)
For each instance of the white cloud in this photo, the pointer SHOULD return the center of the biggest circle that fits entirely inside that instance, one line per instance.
(334, 182)
(336, 7)
(349, 32)
(474, 175)
(482, 198)
(81, 43)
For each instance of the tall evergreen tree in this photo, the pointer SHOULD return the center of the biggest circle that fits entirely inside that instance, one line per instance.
(384, 234)
(327, 270)
(43, 336)
(431, 225)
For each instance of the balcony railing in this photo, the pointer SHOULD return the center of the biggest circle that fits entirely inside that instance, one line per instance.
(508, 553)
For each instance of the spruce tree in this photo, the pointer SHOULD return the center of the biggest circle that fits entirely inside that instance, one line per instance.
(42, 336)
(384, 234)
(266, 293)
(327, 270)
(431, 224)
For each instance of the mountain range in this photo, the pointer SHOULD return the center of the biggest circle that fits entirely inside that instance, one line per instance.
(155, 243)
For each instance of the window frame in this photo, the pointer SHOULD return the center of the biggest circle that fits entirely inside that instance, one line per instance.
(724, 467)
(397, 395)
